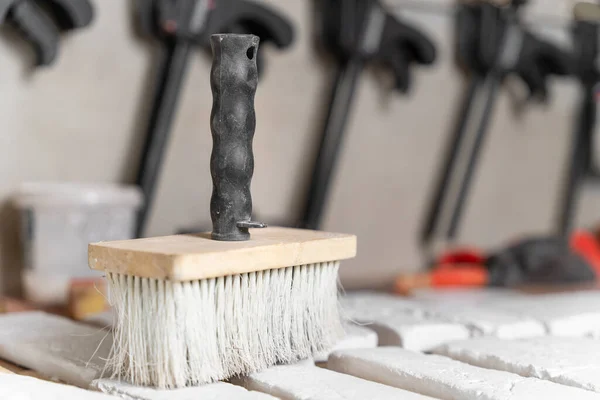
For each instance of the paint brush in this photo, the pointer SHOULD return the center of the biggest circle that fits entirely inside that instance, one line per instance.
(193, 309)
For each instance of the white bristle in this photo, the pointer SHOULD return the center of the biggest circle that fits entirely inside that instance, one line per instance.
(174, 334)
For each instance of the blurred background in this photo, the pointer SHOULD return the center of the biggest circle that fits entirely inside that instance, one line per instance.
(83, 119)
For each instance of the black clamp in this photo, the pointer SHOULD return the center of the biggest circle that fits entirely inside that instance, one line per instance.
(365, 29)
(492, 44)
(197, 20)
(42, 29)
(356, 33)
(249, 17)
(491, 39)
(585, 66)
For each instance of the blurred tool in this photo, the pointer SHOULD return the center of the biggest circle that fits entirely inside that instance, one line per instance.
(42, 30)
(492, 44)
(358, 33)
(550, 260)
(581, 165)
(250, 17)
(180, 25)
(69, 14)
(57, 221)
(87, 297)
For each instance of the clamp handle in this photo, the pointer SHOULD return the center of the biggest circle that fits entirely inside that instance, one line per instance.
(491, 38)
(38, 29)
(585, 33)
(71, 14)
(250, 17)
(540, 59)
(403, 45)
(233, 80)
(366, 30)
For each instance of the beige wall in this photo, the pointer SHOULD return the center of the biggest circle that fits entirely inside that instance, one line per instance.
(82, 120)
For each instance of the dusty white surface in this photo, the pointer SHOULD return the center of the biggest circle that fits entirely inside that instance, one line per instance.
(356, 337)
(371, 306)
(34, 324)
(413, 332)
(466, 308)
(314, 383)
(485, 321)
(463, 296)
(399, 321)
(308, 362)
(54, 346)
(17, 387)
(564, 314)
(569, 361)
(445, 378)
(103, 320)
(213, 391)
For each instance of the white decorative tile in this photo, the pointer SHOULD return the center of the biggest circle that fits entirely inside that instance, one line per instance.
(568, 361)
(486, 321)
(213, 391)
(562, 314)
(18, 387)
(314, 383)
(54, 346)
(445, 378)
(356, 337)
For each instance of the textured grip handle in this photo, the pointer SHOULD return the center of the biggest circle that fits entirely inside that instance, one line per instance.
(233, 81)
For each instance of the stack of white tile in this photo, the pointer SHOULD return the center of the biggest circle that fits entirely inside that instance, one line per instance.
(54, 346)
(563, 314)
(487, 347)
(302, 383)
(486, 321)
(498, 313)
(356, 337)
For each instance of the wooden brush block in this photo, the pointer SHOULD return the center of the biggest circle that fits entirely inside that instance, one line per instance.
(195, 257)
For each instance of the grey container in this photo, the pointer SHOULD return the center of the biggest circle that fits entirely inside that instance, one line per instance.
(58, 220)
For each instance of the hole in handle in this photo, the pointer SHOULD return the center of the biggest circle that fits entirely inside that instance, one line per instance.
(250, 53)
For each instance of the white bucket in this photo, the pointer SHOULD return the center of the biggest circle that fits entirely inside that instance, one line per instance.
(58, 220)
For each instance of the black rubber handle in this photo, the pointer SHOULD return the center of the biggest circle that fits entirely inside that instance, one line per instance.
(233, 80)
